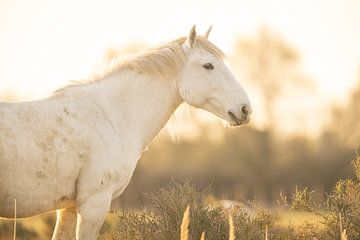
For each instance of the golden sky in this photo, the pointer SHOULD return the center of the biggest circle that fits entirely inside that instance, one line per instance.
(43, 44)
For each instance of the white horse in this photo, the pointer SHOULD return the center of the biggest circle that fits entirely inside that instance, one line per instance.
(75, 151)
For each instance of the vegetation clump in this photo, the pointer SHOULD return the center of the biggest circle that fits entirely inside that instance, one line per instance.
(339, 214)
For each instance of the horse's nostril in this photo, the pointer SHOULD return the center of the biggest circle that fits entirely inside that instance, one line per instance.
(245, 109)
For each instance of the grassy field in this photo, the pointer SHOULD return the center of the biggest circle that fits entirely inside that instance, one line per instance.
(43, 225)
(337, 216)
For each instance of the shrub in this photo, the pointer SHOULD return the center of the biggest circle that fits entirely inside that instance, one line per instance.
(340, 214)
(340, 211)
(168, 205)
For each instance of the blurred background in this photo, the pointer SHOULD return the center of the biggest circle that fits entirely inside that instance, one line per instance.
(298, 60)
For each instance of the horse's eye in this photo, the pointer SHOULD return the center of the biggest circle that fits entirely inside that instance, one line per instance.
(208, 66)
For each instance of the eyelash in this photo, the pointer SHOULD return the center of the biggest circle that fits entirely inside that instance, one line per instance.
(208, 66)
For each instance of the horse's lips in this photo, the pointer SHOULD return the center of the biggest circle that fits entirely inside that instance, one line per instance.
(236, 121)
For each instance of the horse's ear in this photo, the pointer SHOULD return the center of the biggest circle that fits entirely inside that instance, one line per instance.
(208, 32)
(191, 39)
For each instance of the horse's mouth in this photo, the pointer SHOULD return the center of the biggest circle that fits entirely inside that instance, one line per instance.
(236, 121)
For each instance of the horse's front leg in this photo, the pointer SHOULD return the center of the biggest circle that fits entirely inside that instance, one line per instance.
(91, 216)
(65, 228)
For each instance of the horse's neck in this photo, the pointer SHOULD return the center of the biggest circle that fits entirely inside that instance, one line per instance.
(139, 105)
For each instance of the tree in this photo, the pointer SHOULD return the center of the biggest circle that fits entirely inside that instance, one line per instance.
(345, 120)
(271, 65)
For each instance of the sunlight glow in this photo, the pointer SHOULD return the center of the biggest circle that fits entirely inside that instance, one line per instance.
(44, 44)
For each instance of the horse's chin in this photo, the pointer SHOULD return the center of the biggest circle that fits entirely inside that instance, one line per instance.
(233, 123)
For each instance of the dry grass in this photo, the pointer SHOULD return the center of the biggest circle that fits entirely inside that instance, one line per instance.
(339, 215)
(266, 232)
(231, 228)
(343, 235)
(15, 215)
(185, 224)
(297, 218)
(168, 220)
(184, 229)
(186, 221)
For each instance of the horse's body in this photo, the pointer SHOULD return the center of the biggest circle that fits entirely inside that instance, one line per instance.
(77, 150)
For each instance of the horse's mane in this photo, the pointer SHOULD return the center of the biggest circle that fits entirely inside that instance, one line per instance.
(163, 60)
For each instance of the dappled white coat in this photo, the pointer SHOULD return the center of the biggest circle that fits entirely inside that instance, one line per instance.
(77, 150)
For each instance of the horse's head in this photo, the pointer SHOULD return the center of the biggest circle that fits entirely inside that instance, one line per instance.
(206, 82)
